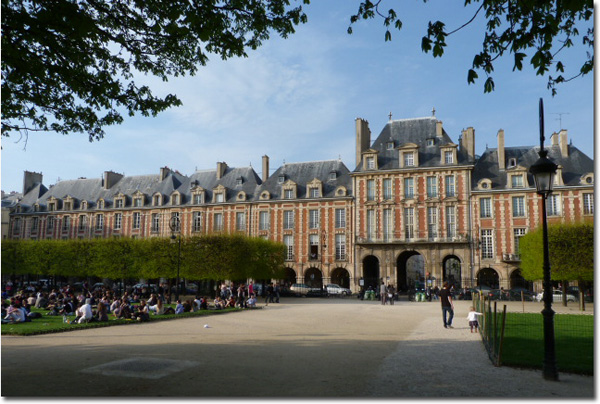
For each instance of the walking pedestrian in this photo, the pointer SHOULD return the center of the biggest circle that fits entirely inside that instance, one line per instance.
(447, 306)
(382, 293)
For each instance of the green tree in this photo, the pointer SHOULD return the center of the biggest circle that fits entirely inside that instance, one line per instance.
(571, 249)
(69, 66)
(513, 27)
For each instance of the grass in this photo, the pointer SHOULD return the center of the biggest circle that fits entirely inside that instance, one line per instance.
(574, 342)
(53, 324)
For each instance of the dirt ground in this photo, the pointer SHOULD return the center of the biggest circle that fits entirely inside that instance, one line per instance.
(299, 348)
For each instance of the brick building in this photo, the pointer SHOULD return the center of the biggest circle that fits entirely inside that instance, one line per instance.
(418, 207)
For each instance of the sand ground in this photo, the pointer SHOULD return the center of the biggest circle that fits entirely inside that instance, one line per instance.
(299, 348)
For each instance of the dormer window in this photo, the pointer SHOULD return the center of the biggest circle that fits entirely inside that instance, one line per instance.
(119, 203)
(288, 194)
(265, 195)
(51, 207)
(516, 181)
(198, 199)
(67, 206)
(241, 196)
(281, 179)
(239, 181)
(448, 157)
(333, 175)
(156, 200)
(409, 159)
(219, 198)
(431, 142)
(101, 204)
(512, 162)
(408, 156)
(370, 163)
(175, 199)
(138, 202)
(314, 192)
(84, 205)
(390, 145)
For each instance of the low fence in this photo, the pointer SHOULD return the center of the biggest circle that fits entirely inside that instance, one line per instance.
(516, 338)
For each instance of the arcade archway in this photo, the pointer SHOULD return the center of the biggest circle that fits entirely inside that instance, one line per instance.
(289, 277)
(488, 277)
(452, 271)
(371, 272)
(517, 280)
(410, 267)
(313, 277)
(341, 276)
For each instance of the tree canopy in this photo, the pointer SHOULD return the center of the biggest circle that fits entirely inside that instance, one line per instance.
(68, 65)
(571, 249)
(521, 28)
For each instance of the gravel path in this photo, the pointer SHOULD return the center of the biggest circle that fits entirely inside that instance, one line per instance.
(299, 348)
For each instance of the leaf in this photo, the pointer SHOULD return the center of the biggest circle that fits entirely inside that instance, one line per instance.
(489, 85)
(472, 76)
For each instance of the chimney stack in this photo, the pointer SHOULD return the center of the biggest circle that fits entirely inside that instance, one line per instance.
(164, 172)
(562, 143)
(265, 168)
(110, 179)
(363, 138)
(467, 143)
(438, 128)
(501, 159)
(554, 139)
(30, 179)
(221, 168)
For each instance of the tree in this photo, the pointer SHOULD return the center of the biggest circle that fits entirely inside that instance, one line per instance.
(68, 66)
(513, 27)
(571, 249)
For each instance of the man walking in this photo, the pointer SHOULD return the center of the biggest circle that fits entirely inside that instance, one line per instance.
(447, 306)
(382, 292)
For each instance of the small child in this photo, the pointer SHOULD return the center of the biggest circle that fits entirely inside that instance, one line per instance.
(472, 317)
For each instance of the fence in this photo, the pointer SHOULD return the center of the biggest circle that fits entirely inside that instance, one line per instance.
(517, 339)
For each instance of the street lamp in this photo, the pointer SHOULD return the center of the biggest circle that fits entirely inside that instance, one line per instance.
(543, 171)
(175, 226)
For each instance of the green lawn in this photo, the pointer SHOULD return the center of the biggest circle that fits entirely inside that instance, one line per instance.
(52, 324)
(574, 336)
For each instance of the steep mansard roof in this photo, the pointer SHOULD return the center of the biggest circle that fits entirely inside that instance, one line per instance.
(405, 131)
(207, 179)
(304, 173)
(574, 166)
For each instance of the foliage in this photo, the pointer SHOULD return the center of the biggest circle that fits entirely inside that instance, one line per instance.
(513, 27)
(571, 249)
(210, 257)
(69, 66)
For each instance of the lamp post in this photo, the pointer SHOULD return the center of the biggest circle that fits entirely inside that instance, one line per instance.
(174, 225)
(543, 171)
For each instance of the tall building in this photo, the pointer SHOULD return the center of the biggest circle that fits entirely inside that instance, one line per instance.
(417, 208)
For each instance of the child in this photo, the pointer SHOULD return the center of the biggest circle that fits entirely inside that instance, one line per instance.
(472, 317)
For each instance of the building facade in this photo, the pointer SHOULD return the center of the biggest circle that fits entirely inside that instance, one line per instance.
(418, 208)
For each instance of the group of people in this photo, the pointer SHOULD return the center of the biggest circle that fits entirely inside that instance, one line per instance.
(241, 296)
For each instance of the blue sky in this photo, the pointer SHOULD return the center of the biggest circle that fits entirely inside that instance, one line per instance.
(297, 100)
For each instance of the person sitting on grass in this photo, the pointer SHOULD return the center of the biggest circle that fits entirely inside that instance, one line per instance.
(196, 303)
(251, 301)
(230, 302)
(14, 314)
(187, 306)
(142, 311)
(67, 309)
(219, 303)
(179, 309)
(84, 313)
(123, 311)
(158, 308)
(102, 312)
(204, 303)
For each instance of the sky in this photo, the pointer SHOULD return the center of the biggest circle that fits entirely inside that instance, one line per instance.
(297, 100)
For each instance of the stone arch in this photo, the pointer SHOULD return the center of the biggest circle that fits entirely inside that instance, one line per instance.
(313, 277)
(488, 277)
(370, 273)
(410, 269)
(516, 280)
(452, 271)
(289, 277)
(341, 276)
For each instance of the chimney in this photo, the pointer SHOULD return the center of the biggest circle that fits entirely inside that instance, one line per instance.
(111, 178)
(164, 172)
(265, 168)
(554, 139)
(438, 128)
(562, 143)
(363, 138)
(30, 180)
(467, 143)
(501, 159)
(221, 168)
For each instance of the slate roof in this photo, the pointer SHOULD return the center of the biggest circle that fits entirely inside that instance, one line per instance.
(207, 179)
(304, 173)
(573, 166)
(404, 131)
